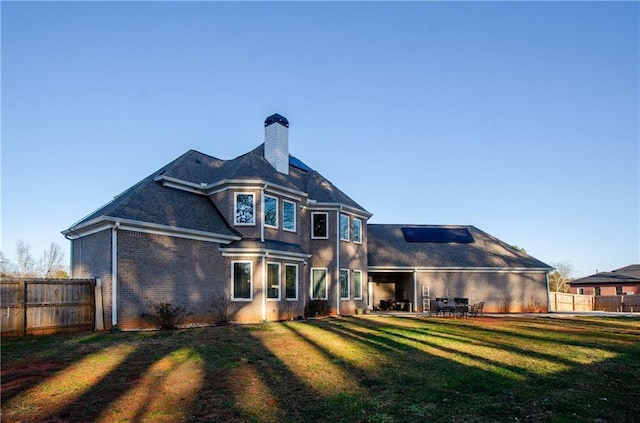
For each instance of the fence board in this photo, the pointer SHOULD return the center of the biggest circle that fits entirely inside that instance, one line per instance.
(37, 306)
(561, 301)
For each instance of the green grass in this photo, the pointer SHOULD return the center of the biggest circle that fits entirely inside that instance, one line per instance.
(359, 369)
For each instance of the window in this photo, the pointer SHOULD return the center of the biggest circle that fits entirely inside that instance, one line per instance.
(244, 209)
(344, 227)
(270, 211)
(597, 290)
(619, 290)
(580, 291)
(273, 281)
(319, 224)
(289, 215)
(319, 284)
(357, 231)
(241, 279)
(357, 284)
(291, 281)
(344, 284)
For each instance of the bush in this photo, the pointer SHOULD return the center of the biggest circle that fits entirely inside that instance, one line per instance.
(221, 303)
(317, 308)
(167, 314)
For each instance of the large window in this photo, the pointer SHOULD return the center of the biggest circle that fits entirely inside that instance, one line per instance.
(270, 211)
(241, 279)
(357, 284)
(344, 227)
(273, 281)
(289, 215)
(357, 231)
(319, 284)
(320, 225)
(244, 209)
(344, 284)
(291, 281)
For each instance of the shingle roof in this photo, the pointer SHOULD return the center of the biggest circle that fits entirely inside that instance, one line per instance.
(627, 274)
(151, 202)
(388, 248)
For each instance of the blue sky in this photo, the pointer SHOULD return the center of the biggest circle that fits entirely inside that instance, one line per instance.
(520, 118)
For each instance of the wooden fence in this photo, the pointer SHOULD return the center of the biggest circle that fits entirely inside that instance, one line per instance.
(612, 303)
(41, 306)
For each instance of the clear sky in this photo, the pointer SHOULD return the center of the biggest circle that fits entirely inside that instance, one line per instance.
(521, 119)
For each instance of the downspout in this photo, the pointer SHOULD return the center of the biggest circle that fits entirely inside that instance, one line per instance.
(264, 287)
(337, 285)
(546, 277)
(263, 215)
(114, 275)
(415, 290)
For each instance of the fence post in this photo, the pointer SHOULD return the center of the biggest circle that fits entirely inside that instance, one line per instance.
(98, 301)
(22, 308)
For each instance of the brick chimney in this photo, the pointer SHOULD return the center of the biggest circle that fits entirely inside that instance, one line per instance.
(276, 142)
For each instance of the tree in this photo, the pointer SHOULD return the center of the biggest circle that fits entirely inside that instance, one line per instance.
(51, 260)
(6, 267)
(559, 278)
(25, 262)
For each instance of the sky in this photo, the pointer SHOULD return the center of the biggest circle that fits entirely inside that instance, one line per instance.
(520, 118)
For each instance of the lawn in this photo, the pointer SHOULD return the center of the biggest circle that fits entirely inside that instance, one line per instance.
(350, 369)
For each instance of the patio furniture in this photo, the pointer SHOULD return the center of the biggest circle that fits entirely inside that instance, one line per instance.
(461, 306)
(476, 309)
(444, 306)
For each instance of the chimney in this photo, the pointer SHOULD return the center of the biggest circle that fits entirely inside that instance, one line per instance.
(276, 142)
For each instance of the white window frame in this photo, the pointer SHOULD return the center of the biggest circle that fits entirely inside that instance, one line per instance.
(264, 212)
(346, 237)
(235, 209)
(326, 283)
(348, 282)
(295, 266)
(326, 215)
(295, 216)
(233, 263)
(279, 285)
(359, 221)
(357, 295)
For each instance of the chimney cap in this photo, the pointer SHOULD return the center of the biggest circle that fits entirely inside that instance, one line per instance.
(276, 118)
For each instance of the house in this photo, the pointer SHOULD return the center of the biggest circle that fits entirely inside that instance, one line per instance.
(272, 234)
(623, 281)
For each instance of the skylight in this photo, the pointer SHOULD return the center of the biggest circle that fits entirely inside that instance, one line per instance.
(441, 235)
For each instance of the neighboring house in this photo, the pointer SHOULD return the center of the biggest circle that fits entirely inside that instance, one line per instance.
(274, 234)
(623, 281)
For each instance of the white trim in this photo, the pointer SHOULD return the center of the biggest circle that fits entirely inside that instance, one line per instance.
(294, 265)
(105, 222)
(235, 208)
(233, 298)
(355, 293)
(348, 273)
(295, 216)
(168, 181)
(326, 214)
(337, 286)
(340, 216)
(279, 281)
(114, 276)
(373, 269)
(326, 283)
(257, 252)
(315, 205)
(264, 211)
(232, 184)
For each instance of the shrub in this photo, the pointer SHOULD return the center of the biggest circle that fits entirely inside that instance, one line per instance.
(317, 308)
(505, 305)
(221, 303)
(167, 314)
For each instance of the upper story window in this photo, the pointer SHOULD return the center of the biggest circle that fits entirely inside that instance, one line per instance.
(619, 290)
(270, 211)
(344, 227)
(244, 209)
(597, 290)
(320, 225)
(288, 215)
(357, 230)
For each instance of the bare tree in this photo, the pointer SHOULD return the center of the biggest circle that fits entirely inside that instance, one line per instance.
(25, 262)
(51, 260)
(6, 267)
(560, 277)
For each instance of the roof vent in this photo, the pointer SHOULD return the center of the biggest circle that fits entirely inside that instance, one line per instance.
(276, 142)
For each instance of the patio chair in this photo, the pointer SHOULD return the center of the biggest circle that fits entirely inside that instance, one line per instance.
(476, 309)
(461, 306)
(442, 306)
